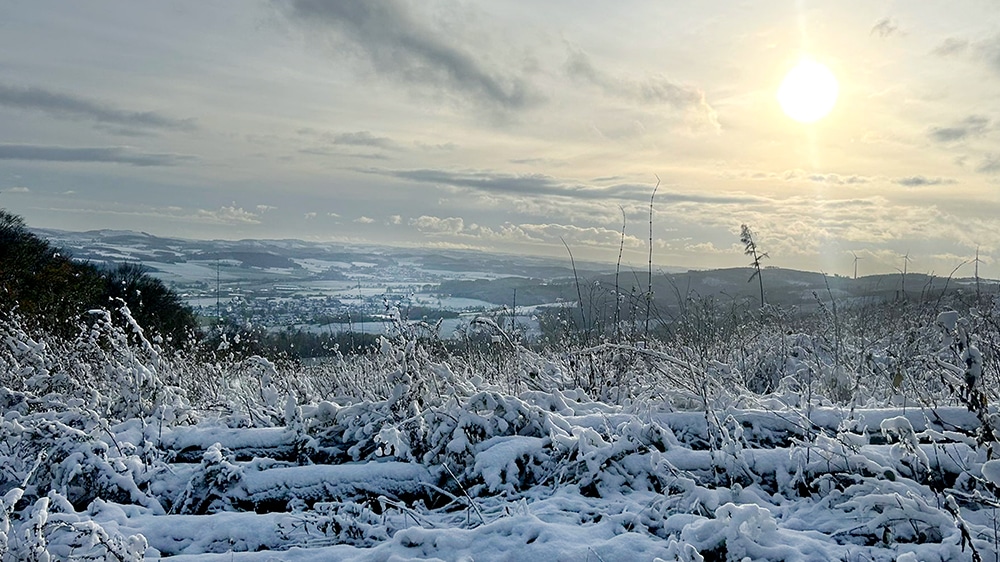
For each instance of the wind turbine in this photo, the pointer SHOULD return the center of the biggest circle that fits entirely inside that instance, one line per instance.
(906, 260)
(856, 258)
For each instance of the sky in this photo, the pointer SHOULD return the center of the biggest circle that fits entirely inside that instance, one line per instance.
(514, 126)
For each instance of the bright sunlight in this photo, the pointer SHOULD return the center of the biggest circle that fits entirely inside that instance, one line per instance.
(808, 92)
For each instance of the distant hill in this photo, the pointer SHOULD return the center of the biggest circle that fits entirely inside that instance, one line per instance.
(782, 287)
(494, 278)
(291, 255)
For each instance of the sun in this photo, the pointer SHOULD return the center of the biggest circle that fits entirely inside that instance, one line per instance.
(808, 92)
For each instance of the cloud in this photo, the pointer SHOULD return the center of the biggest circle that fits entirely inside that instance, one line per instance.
(984, 50)
(798, 174)
(959, 260)
(350, 138)
(364, 220)
(111, 154)
(989, 51)
(839, 179)
(265, 208)
(436, 225)
(540, 184)
(655, 90)
(553, 233)
(798, 226)
(326, 152)
(66, 106)
(835, 179)
(920, 181)
(363, 138)
(444, 146)
(989, 165)
(18, 189)
(546, 233)
(397, 43)
(395, 219)
(226, 215)
(884, 28)
(309, 216)
(951, 46)
(972, 125)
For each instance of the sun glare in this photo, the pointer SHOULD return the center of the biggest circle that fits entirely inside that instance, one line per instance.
(808, 92)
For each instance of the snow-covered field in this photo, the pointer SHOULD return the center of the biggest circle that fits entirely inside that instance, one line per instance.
(113, 449)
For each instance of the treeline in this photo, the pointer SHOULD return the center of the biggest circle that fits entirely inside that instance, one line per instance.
(51, 291)
(424, 313)
(291, 344)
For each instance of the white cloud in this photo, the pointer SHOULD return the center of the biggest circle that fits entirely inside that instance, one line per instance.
(228, 215)
(709, 248)
(364, 220)
(436, 225)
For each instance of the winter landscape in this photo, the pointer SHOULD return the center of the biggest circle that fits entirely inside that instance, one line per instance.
(391, 280)
(863, 427)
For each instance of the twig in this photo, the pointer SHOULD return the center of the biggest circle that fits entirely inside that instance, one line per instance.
(595, 554)
(423, 521)
(952, 507)
(618, 268)
(649, 270)
(579, 293)
(472, 502)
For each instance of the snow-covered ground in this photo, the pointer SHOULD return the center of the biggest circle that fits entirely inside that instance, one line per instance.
(115, 450)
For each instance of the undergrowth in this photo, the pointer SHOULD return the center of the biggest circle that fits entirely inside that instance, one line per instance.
(883, 415)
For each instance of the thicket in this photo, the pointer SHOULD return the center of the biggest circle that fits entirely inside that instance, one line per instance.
(49, 290)
(880, 419)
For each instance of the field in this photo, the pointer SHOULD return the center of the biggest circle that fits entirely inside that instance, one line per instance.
(860, 434)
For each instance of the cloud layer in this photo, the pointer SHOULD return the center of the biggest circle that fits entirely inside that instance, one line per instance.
(397, 42)
(67, 106)
(109, 154)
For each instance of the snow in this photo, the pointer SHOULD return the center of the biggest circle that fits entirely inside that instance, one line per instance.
(497, 458)
(114, 449)
(991, 472)
(948, 319)
(314, 265)
(201, 438)
(324, 482)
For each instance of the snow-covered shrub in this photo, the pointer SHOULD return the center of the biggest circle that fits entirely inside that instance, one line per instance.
(209, 490)
(52, 530)
(63, 449)
(748, 533)
(327, 523)
(7, 508)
